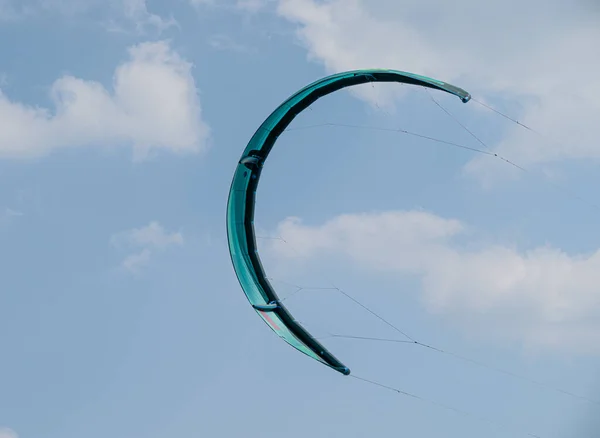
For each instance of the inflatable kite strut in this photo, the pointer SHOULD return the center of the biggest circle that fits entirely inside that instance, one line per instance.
(242, 196)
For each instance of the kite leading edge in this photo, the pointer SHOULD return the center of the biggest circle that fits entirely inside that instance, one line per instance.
(242, 197)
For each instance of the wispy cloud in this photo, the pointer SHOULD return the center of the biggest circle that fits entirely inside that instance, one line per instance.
(12, 213)
(11, 10)
(123, 15)
(251, 6)
(138, 19)
(8, 433)
(147, 240)
(8, 215)
(227, 43)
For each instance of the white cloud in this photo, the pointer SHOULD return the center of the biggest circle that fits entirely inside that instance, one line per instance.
(12, 213)
(134, 262)
(8, 433)
(7, 11)
(150, 238)
(198, 3)
(153, 106)
(136, 13)
(8, 215)
(251, 6)
(11, 10)
(123, 13)
(537, 53)
(152, 235)
(542, 296)
(227, 43)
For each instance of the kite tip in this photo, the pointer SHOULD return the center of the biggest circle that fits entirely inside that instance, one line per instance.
(344, 370)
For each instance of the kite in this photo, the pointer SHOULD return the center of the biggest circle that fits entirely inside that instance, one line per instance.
(242, 196)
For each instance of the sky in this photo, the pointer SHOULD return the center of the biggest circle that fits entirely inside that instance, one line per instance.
(121, 123)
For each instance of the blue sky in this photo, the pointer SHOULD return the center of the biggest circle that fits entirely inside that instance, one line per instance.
(121, 123)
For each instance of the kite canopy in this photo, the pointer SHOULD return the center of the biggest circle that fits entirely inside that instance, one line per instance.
(242, 197)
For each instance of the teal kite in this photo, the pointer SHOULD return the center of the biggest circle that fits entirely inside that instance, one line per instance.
(242, 196)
